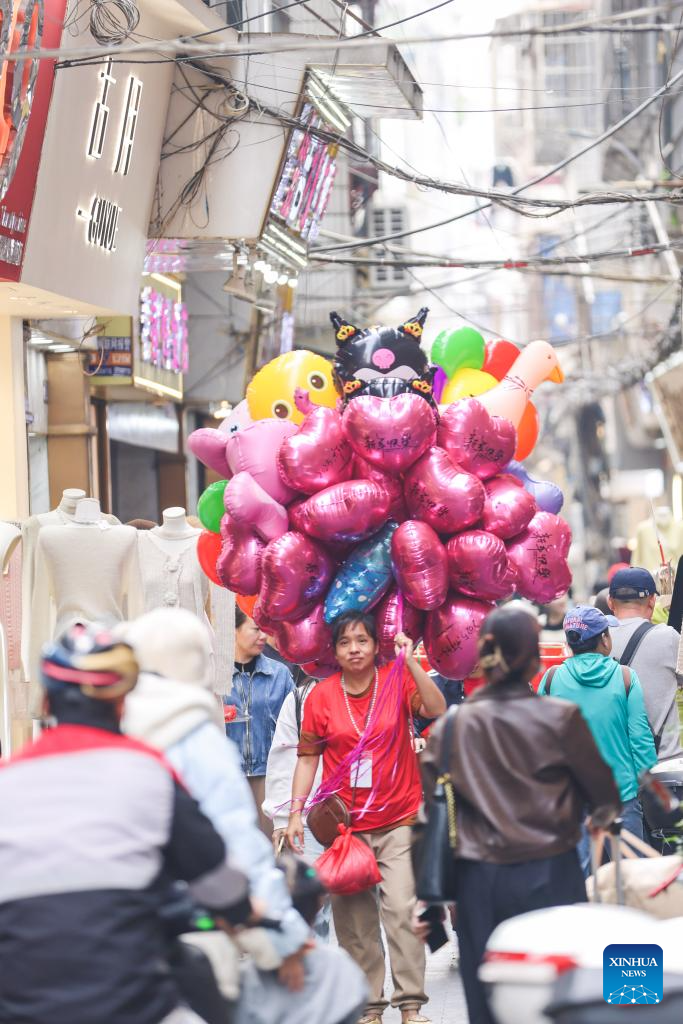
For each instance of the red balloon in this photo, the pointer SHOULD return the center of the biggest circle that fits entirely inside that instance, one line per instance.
(452, 633)
(390, 619)
(420, 564)
(208, 550)
(308, 639)
(499, 357)
(527, 433)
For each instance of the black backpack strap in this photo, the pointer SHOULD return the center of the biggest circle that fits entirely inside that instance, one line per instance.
(549, 678)
(635, 642)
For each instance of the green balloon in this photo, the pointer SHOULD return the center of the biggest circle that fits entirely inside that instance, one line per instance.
(210, 508)
(455, 350)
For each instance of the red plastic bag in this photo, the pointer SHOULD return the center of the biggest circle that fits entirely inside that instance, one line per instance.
(349, 866)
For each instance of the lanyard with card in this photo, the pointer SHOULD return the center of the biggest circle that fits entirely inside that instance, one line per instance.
(361, 773)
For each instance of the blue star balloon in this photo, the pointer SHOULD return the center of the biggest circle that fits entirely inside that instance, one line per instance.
(364, 577)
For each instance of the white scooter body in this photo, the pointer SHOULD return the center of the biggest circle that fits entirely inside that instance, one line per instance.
(526, 954)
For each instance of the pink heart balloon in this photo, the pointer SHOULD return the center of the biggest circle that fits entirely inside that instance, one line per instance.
(420, 564)
(363, 470)
(239, 563)
(321, 669)
(307, 639)
(318, 455)
(508, 508)
(350, 511)
(249, 505)
(478, 566)
(254, 450)
(391, 433)
(539, 555)
(208, 446)
(262, 620)
(394, 614)
(451, 635)
(441, 494)
(479, 442)
(295, 574)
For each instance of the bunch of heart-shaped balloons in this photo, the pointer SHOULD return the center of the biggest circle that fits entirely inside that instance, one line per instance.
(380, 505)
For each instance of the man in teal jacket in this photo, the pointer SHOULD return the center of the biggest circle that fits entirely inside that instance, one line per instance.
(611, 701)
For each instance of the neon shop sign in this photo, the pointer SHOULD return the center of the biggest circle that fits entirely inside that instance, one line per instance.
(163, 332)
(102, 215)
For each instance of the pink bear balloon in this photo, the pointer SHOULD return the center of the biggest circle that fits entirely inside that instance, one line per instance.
(390, 433)
(349, 511)
(508, 508)
(539, 555)
(254, 450)
(451, 635)
(420, 564)
(249, 505)
(478, 566)
(479, 442)
(295, 575)
(439, 493)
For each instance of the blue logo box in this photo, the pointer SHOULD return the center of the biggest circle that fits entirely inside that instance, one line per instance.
(633, 973)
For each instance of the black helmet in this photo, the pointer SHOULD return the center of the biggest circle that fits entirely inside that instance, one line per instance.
(92, 658)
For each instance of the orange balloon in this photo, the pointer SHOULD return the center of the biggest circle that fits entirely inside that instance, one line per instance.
(527, 432)
(246, 604)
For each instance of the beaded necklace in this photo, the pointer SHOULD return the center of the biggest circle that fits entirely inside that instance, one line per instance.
(371, 709)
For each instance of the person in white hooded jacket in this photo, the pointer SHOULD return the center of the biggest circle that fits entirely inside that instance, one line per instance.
(174, 710)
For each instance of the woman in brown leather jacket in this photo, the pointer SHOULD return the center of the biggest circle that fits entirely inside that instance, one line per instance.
(523, 769)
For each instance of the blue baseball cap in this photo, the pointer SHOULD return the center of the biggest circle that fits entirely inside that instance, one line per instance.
(582, 623)
(632, 584)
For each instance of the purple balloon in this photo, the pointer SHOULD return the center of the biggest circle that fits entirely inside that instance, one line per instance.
(539, 555)
(395, 614)
(439, 493)
(390, 433)
(479, 442)
(249, 505)
(508, 508)
(478, 566)
(239, 563)
(295, 574)
(545, 493)
(452, 633)
(318, 455)
(307, 639)
(350, 511)
(439, 383)
(420, 564)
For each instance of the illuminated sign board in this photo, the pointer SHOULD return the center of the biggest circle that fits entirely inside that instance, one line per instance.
(163, 332)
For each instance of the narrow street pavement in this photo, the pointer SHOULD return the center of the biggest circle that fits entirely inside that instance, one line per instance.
(444, 987)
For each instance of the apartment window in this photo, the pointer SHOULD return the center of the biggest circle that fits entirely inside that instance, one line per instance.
(388, 220)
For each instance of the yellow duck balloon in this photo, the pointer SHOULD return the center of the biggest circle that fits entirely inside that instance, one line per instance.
(270, 392)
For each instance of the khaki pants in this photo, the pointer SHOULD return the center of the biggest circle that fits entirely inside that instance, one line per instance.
(357, 923)
(257, 784)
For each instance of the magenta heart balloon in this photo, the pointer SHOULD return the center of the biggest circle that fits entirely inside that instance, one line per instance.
(391, 433)
(420, 564)
(508, 508)
(208, 445)
(248, 504)
(479, 442)
(238, 565)
(307, 639)
(349, 511)
(395, 614)
(318, 455)
(539, 555)
(441, 494)
(478, 566)
(451, 635)
(254, 450)
(363, 470)
(295, 574)
(321, 669)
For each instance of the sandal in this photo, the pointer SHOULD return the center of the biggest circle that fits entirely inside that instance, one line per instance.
(413, 1017)
(371, 1019)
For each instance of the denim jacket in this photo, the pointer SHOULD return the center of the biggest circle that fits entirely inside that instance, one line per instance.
(269, 684)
